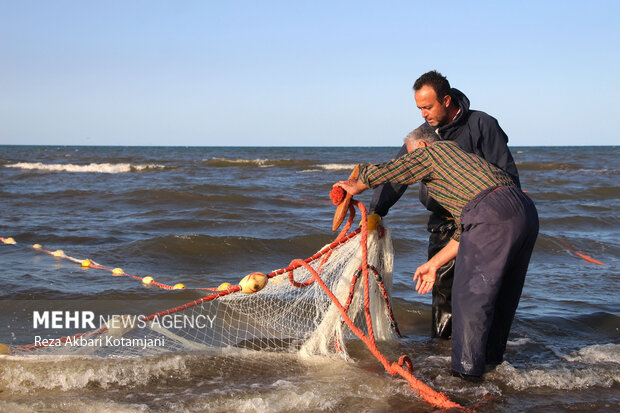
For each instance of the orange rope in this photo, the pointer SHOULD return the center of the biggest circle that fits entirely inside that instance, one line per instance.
(233, 289)
(428, 394)
(567, 246)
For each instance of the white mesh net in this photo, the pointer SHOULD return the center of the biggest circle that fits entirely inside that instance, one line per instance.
(280, 317)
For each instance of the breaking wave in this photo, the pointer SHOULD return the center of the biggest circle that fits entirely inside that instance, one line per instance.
(70, 372)
(337, 166)
(308, 165)
(259, 162)
(108, 168)
(592, 366)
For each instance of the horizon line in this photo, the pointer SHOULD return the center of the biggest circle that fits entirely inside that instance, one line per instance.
(281, 146)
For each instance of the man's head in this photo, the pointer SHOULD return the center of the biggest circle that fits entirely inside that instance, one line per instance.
(420, 137)
(433, 99)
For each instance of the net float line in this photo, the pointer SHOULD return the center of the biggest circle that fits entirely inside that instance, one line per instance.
(223, 290)
(148, 280)
(87, 263)
(324, 253)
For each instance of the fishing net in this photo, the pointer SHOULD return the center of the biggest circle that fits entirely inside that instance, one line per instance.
(291, 313)
(313, 307)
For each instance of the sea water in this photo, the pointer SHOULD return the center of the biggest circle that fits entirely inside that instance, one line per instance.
(203, 216)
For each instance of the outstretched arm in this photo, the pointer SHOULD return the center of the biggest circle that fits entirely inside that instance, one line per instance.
(385, 196)
(426, 273)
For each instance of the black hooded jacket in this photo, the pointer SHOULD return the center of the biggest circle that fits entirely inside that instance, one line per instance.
(475, 132)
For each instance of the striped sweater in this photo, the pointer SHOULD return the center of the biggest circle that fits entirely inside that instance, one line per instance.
(453, 176)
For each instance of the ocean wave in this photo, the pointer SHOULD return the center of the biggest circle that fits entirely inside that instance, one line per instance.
(216, 249)
(337, 166)
(306, 164)
(564, 167)
(560, 377)
(30, 374)
(259, 162)
(200, 196)
(598, 353)
(239, 380)
(329, 167)
(90, 168)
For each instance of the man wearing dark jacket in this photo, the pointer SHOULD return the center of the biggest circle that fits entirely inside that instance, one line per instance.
(446, 110)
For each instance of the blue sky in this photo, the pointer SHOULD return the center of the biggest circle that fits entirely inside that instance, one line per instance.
(301, 73)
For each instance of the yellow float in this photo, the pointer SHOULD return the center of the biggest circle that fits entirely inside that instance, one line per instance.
(224, 286)
(254, 282)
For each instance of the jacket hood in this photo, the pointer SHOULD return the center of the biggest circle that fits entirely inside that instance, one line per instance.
(463, 102)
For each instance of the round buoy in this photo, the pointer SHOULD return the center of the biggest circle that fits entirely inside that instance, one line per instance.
(58, 254)
(147, 280)
(9, 241)
(4, 349)
(37, 246)
(254, 282)
(224, 286)
(118, 271)
(86, 263)
(178, 286)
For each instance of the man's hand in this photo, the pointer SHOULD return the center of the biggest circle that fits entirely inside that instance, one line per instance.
(425, 274)
(353, 186)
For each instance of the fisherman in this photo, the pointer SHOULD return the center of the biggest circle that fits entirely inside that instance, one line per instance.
(496, 228)
(447, 111)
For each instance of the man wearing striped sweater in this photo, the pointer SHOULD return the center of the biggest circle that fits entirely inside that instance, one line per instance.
(497, 226)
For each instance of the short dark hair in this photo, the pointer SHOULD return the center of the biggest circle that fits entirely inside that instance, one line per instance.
(436, 80)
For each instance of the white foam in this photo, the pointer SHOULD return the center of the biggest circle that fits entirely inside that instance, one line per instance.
(92, 167)
(605, 353)
(518, 342)
(441, 359)
(446, 383)
(29, 374)
(72, 405)
(288, 400)
(328, 390)
(559, 377)
(240, 161)
(337, 166)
